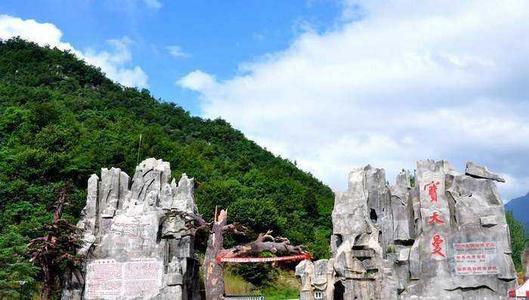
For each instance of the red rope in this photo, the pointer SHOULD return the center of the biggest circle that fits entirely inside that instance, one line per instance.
(221, 259)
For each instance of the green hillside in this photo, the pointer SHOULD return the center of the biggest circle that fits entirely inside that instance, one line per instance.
(62, 120)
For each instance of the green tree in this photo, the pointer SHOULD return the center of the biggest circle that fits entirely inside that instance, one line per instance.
(16, 272)
(519, 240)
(62, 120)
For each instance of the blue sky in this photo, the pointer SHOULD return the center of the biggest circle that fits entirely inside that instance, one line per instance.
(212, 35)
(330, 84)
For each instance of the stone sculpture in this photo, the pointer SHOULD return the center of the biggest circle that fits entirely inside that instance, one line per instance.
(437, 235)
(135, 240)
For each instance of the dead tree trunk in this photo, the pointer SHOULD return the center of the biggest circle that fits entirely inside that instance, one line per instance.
(213, 273)
(265, 242)
(47, 284)
(55, 252)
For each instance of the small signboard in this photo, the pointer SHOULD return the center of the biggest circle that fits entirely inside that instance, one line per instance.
(108, 279)
(475, 258)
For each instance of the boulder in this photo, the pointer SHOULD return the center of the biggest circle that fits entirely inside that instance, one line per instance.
(478, 171)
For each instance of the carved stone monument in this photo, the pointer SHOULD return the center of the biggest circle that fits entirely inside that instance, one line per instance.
(437, 235)
(135, 239)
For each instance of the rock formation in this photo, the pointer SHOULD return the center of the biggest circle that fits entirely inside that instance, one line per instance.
(135, 238)
(436, 235)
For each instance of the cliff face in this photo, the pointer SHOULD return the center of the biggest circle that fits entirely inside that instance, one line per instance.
(444, 237)
(135, 239)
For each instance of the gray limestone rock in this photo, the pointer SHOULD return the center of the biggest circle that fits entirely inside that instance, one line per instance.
(135, 242)
(478, 171)
(358, 218)
(443, 237)
(402, 209)
(305, 271)
(317, 279)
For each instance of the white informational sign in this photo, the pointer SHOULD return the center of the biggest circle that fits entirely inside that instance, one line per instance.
(475, 258)
(103, 279)
(107, 278)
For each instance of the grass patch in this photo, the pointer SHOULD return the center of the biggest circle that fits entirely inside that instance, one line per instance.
(236, 285)
(272, 293)
(284, 286)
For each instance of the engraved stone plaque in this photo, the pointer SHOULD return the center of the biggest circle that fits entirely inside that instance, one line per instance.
(107, 278)
(103, 279)
(475, 258)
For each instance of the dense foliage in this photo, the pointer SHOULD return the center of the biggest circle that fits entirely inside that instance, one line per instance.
(519, 239)
(62, 120)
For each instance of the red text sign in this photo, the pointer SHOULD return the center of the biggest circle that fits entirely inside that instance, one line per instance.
(475, 258)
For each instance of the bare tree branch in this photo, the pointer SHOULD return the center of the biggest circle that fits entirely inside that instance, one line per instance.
(235, 228)
(265, 242)
(56, 248)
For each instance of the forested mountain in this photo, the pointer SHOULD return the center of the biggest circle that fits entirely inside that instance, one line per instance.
(520, 209)
(62, 120)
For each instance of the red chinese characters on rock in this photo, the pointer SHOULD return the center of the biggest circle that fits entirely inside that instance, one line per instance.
(103, 279)
(108, 279)
(437, 246)
(435, 218)
(479, 270)
(476, 258)
(432, 190)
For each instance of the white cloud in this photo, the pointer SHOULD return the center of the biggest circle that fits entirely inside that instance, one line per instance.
(516, 186)
(40, 33)
(115, 63)
(409, 80)
(176, 51)
(198, 80)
